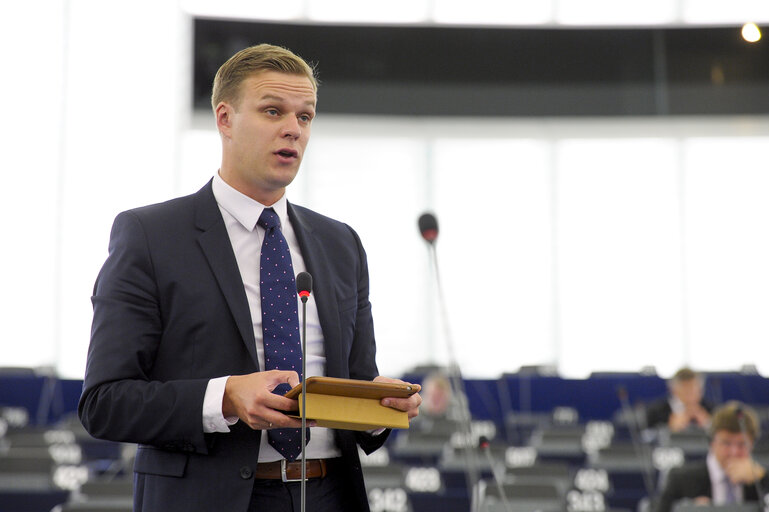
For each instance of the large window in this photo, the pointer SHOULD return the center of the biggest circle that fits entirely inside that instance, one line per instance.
(590, 244)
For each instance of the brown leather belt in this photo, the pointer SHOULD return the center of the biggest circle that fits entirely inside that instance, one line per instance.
(291, 471)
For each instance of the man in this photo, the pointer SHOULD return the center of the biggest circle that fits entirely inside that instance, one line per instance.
(729, 474)
(179, 361)
(685, 407)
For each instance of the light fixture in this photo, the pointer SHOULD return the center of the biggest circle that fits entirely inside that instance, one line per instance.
(751, 33)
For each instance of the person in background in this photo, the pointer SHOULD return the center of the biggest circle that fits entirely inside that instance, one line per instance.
(684, 407)
(729, 474)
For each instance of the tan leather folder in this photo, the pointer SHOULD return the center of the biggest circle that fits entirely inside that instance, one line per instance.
(352, 404)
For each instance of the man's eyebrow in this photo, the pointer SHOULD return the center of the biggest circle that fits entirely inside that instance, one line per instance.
(271, 97)
(281, 99)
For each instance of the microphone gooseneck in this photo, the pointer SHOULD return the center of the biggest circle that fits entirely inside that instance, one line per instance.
(303, 289)
(428, 227)
(640, 449)
(485, 445)
(740, 413)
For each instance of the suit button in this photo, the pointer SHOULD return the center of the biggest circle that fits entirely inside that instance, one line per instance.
(246, 472)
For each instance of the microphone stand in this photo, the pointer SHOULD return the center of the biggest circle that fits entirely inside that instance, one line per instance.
(304, 294)
(757, 482)
(484, 445)
(455, 377)
(304, 404)
(640, 449)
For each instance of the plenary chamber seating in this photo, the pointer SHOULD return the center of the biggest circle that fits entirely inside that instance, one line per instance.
(60, 468)
(553, 444)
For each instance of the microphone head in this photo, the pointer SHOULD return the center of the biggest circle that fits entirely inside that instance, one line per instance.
(304, 285)
(428, 227)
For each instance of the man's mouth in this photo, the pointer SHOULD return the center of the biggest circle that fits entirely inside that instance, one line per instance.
(287, 153)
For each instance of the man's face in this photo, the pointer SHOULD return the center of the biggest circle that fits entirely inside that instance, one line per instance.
(727, 446)
(265, 133)
(688, 391)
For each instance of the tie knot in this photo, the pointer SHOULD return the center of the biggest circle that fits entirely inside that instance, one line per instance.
(269, 219)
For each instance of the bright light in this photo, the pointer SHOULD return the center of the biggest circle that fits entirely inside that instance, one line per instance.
(611, 12)
(718, 12)
(751, 33)
(355, 11)
(493, 12)
(243, 9)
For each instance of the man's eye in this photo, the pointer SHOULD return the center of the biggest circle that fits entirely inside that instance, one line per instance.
(272, 111)
(305, 118)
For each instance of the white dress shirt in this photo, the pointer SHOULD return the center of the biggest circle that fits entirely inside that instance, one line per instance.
(240, 214)
(719, 482)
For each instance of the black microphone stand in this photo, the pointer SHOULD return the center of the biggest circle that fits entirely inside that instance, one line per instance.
(304, 287)
(484, 445)
(429, 229)
(641, 450)
(757, 482)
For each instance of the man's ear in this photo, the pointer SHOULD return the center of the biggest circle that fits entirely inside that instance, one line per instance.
(224, 118)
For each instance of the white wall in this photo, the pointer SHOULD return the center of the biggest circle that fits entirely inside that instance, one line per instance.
(610, 244)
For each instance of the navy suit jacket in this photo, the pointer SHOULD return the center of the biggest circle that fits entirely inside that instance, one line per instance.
(170, 313)
(693, 480)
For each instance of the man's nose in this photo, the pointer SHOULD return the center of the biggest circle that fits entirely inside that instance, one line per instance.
(291, 128)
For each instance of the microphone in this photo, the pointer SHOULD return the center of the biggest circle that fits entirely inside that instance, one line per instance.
(484, 445)
(640, 449)
(304, 285)
(740, 413)
(428, 227)
(303, 289)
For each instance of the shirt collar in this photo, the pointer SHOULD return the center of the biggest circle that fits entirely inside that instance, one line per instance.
(717, 473)
(676, 405)
(244, 209)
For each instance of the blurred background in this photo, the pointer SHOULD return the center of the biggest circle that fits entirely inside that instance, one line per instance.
(612, 156)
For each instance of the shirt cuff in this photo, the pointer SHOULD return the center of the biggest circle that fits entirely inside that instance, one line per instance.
(213, 419)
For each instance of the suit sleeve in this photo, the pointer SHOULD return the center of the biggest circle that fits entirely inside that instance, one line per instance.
(658, 413)
(362, 359)
(671, 493)
(120, 400)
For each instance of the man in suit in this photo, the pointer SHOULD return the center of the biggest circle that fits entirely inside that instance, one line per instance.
(178, 360)
(685, 407)
(728, 474)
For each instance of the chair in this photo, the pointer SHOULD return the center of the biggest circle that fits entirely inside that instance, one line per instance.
(560, 443)
(521, 497)
(419, 447)
(557, 473)
(689, 506)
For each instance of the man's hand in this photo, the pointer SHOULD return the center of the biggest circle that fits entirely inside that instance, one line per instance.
(699, 415)
(408, 405)
(744, 471)
(250, 398)
(695, 414)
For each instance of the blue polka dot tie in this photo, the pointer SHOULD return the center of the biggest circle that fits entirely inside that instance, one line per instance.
(280, 322)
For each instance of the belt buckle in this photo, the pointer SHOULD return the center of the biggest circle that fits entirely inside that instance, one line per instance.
(283, 476)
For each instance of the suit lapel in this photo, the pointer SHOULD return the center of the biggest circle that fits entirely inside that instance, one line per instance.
(316, 260)
(217, 248)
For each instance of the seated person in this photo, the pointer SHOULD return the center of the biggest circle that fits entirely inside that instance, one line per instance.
(728, 474)
(685, 407)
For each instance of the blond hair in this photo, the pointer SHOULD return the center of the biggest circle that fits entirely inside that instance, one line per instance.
(254, 59)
